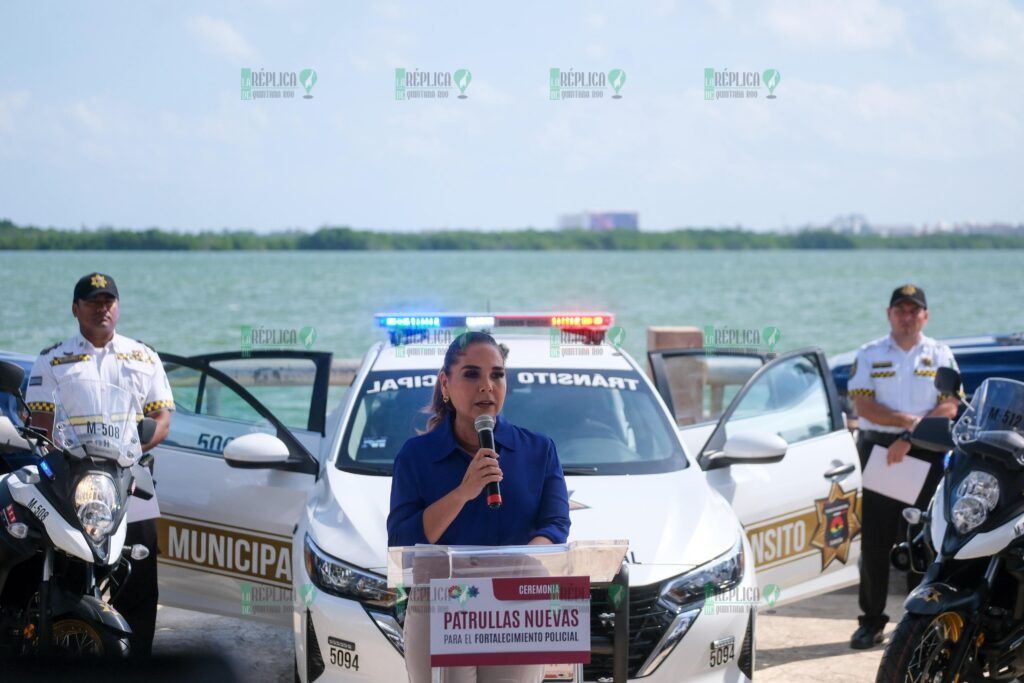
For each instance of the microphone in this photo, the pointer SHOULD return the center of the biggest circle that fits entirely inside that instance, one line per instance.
(485, 430)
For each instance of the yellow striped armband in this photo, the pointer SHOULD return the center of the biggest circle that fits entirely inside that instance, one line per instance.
(863, 393)
(154, 406)
(40, 407)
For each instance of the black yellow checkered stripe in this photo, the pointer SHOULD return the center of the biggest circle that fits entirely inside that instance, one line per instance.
(921, 372)
(76, 358)
(154, 406)
(135, 355)
(864, 393)
(40, 407)
(883, 373)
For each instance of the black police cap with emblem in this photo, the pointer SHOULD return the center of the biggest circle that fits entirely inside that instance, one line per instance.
(95, 283)
(908, 293)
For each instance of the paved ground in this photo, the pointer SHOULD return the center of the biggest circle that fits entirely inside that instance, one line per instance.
(808, 641)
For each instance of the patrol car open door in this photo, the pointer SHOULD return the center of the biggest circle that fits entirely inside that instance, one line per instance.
(226, 532)
(801, 514)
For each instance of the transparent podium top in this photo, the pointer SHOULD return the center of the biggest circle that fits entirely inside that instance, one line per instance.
(418, 564)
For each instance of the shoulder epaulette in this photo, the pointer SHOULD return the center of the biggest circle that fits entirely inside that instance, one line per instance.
(49, 348)
(146, 345)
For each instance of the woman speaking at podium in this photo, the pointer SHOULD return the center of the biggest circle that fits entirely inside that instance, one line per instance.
(439, 496)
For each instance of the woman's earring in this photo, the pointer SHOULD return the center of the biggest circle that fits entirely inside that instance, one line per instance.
(444, 397)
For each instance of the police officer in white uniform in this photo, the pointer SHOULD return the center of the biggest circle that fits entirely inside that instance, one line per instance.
(892, 386)
(97, 352)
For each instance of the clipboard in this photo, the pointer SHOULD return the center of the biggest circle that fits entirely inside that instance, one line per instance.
(901, 481)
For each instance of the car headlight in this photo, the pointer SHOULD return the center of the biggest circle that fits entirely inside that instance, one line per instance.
(333, 576)
(721, 574)
(95, 504)
(976, 496)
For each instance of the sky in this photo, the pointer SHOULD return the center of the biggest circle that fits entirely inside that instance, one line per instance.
(130, 114)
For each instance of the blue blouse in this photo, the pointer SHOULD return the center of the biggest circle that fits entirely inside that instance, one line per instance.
(534, 498)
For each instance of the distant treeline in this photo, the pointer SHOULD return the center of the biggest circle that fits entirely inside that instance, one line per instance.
(342, 238)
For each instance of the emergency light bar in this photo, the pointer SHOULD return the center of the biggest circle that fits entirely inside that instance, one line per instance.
(406, 326)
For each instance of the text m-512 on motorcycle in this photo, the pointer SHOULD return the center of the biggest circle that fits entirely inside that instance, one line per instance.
(965, 621)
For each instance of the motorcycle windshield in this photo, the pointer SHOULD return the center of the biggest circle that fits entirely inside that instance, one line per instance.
(97, 417)
(997, 408)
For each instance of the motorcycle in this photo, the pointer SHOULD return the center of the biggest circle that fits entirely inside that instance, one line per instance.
(63, 514)
(965, 621)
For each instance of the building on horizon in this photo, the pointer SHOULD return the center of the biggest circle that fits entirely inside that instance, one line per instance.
(599, 221)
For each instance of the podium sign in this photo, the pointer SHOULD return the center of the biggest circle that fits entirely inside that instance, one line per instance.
(509, 620)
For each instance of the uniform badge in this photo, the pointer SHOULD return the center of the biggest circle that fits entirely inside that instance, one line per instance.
(908, 290)
(926, 360)
(882, 364)
(98, 280)
(838, 525)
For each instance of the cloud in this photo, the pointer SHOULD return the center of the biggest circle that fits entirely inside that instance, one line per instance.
(87, 117)
(852, 25)
(990, 31)
(11, 104)
(220, 36)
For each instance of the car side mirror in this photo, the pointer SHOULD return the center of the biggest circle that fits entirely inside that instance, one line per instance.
(256, 451)
(947, 381)
(934, 433)
(749, 448)
(147, 429)
(11, 377)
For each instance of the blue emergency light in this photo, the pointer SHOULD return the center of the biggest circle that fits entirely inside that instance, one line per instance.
(408, 327)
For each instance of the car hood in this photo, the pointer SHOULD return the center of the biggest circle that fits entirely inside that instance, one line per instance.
(673, 521)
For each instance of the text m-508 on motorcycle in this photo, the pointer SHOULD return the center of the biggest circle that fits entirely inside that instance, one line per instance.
(62, 510)
(965, 621)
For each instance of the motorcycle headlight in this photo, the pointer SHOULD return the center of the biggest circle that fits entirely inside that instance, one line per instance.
(976, 496)
(96, 503)
(717, 576)
(333, 576)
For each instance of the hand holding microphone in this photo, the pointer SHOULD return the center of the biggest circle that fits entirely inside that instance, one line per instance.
(484, 425)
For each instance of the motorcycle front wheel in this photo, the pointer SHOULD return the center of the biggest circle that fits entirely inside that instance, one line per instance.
(75, 637)
(921, 649)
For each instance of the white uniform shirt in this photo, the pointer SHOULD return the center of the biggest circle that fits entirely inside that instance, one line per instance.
(897, 379)
(123, 362)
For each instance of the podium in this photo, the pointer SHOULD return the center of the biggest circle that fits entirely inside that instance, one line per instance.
(523, 605)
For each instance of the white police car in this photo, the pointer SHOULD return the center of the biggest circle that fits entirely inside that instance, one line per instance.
(681, 466)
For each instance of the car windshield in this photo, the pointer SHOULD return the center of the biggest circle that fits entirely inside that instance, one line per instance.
(602, 421)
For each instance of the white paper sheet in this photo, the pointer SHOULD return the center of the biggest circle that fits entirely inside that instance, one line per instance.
(902, 481)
